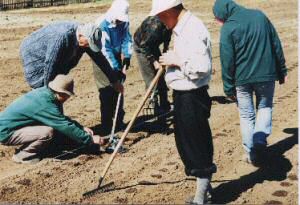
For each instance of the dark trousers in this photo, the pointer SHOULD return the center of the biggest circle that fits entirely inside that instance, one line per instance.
(192, 131)
(108, 99)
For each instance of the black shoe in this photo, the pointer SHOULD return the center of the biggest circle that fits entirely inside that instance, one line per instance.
(120, 126)
(258, 155)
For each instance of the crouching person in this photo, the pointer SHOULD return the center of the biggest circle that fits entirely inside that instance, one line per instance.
(32, 120)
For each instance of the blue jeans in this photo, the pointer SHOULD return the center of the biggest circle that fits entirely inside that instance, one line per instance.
(255, 127)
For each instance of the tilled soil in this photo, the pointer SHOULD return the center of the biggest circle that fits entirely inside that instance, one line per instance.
(151, 171)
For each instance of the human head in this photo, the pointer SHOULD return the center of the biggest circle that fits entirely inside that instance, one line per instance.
(118, 12)
(167, 11)
(89, 35)
(223, 9)
(63, 87)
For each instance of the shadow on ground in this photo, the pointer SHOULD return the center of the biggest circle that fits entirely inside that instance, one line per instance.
(222, 100)
(275, 169)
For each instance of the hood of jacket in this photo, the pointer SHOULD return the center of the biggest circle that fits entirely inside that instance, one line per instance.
(224, 9)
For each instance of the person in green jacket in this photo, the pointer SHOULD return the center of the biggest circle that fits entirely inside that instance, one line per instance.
(32, 119)
(252, 60)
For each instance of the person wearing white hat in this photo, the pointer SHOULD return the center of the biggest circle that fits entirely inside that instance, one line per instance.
(188, 72)
(117, 48)
(57, 48)
(32, 119)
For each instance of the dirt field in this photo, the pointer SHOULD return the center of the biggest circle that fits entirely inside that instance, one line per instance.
(152, 156)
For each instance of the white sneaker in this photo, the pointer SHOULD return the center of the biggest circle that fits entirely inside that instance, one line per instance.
(25, 158)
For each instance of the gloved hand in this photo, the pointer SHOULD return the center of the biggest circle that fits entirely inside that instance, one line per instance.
(170, 59)
(120, 75)
(126, 62)
(118, 87)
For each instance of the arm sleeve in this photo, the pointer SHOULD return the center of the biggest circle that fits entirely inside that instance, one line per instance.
(167, 39)
(127, 42)
(148, 41)
(53, 58)
(107, 50)
(227, 63)
(197, 62)
(103, 65)
(280, 59)
(55, 119)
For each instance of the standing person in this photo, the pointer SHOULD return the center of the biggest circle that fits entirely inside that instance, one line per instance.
(252, 60)
(32, 119)
(147, 39)
(117, 48)
(57, 48)
(188, 73)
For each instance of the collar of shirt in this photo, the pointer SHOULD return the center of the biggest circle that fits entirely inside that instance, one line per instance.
(181, 23)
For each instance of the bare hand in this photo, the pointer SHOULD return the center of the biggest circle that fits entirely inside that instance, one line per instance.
(170, 59)
(88, 130)
(156, 65)
(98, 140)
(118, 87)
(233, 98)
(284, 80)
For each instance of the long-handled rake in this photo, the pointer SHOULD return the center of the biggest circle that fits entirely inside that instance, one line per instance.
(101, 188)
(113, 139)
(148, 111)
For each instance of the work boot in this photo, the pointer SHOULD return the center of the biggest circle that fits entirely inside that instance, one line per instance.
(258, 154)
(26, 158)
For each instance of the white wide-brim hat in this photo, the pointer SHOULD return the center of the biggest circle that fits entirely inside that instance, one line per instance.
(119, 10)
(159, 6)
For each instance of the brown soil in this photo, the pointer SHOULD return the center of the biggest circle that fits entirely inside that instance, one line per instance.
(151, 171)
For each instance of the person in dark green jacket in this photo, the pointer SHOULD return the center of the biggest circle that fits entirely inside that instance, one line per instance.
(252, 60)
(31, 120)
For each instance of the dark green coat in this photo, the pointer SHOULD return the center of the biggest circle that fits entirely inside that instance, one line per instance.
(39, 107)
(250, 49)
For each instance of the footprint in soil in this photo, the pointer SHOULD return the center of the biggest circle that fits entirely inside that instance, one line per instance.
(163, 170)
(293, 177)
(74, 164)
(119, 200)
(280, 193)
(171, 163)
(158, 176)
(131, 190)
(220, 135)
(88, 110)
(46, 175)
(8, 190)
(25, 182)
(285, 184)
(272, 202)
(86, 158)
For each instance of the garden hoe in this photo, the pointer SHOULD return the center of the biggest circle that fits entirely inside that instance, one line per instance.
(103, 188)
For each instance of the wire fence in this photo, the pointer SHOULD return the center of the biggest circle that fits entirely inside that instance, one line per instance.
(21, 4)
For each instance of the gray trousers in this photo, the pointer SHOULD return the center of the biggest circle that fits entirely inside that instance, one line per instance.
(148, 73)
(33, 138)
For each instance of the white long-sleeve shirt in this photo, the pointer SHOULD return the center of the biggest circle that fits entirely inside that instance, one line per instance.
(192, 45)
